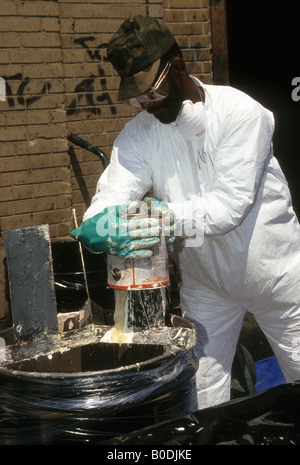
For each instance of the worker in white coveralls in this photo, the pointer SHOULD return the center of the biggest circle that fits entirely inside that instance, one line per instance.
(206, 153)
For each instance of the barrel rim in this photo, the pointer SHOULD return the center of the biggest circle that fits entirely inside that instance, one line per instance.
(128, 368)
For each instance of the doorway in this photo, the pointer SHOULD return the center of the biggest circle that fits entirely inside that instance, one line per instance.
(263, 59)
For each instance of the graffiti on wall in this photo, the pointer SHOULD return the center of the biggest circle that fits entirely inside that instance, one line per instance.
(85, 90)
(17, 97)
(14, 89)
(196, 51)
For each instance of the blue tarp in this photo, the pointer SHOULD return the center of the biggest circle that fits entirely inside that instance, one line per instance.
(268, 374)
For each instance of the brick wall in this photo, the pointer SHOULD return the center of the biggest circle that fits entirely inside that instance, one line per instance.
(58, 81)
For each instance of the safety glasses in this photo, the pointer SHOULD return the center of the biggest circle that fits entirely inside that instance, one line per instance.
(157, 92)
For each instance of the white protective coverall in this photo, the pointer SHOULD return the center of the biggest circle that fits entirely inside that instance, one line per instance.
(249, 257)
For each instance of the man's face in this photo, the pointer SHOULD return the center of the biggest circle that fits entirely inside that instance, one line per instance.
(167, 110)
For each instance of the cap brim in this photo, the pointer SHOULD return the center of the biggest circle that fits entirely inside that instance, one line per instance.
(137, 84)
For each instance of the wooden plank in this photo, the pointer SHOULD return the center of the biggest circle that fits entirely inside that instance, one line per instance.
(31, 281)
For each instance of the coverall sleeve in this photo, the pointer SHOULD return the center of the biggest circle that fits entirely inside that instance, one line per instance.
(239, 164)
(127, 178)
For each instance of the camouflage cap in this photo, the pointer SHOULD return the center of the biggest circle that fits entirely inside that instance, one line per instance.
(135, 52)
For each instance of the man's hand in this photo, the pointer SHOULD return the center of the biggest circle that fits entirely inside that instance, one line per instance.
(112, 232)
(160, 210)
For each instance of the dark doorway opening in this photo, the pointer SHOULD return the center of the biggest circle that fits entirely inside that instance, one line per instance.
(264, 57)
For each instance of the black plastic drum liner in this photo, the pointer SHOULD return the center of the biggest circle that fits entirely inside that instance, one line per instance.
(70, 286)
(87, 407)
(271, 417)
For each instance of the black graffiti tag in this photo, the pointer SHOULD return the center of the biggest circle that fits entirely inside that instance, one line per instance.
(21, 90)
(93, 55)
(85, 90)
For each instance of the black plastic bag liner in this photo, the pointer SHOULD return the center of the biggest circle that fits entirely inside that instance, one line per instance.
(271, 417)
(70, 286)
(86, 407)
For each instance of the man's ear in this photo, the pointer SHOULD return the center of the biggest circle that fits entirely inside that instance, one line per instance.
(178, 68)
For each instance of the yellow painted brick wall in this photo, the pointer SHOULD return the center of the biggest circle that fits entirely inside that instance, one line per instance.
(58, 81)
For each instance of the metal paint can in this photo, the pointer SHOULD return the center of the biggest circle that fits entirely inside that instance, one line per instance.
(150, 273)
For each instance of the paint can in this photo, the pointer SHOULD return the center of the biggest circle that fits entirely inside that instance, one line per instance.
(148, 273)
(151, 273)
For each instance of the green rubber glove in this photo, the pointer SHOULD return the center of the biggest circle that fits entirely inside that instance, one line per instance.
(110, 233)
(159, 209)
